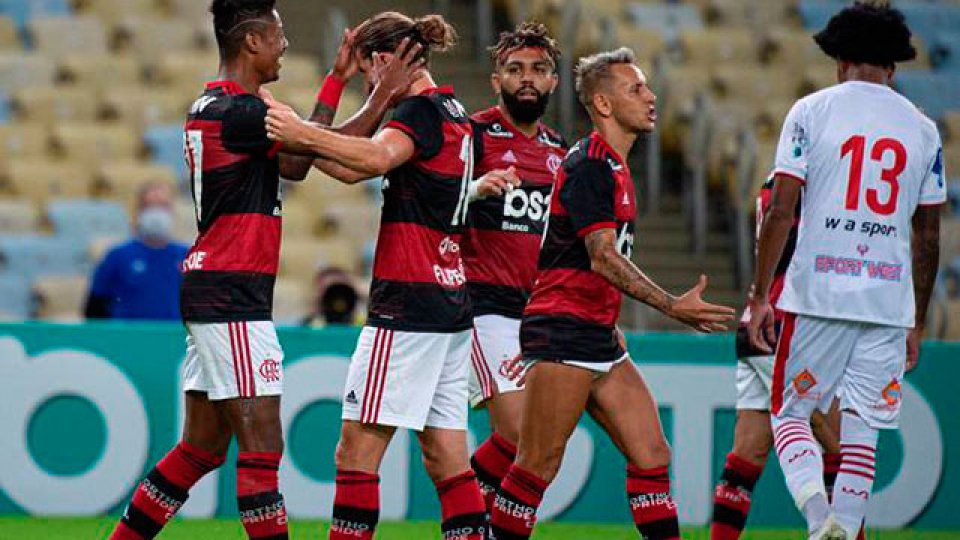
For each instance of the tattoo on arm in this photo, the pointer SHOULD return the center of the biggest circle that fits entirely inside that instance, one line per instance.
(622, 273)
(925, 247)
(296, 167)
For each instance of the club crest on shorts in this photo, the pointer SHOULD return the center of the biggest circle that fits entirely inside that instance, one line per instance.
(803, 382)
(892, 393)
(270, 370)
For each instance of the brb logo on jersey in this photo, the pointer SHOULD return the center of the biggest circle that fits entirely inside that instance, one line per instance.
(519, 204)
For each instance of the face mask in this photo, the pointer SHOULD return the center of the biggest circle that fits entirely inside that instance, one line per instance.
(155, 223)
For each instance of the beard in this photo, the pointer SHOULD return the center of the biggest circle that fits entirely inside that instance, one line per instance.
(523, 111)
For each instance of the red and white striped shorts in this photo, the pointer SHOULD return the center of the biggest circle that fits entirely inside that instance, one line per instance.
(233, 360)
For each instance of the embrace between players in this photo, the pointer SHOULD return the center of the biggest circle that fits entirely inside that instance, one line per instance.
(474, 268)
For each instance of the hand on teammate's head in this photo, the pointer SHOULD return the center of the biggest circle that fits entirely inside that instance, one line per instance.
(394, 73)
(345, 66)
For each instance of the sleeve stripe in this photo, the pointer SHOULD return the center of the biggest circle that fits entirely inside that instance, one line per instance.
(780, 172)
(404, 128)
(596, 227)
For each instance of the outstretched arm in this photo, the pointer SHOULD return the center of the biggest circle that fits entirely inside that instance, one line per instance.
(620, 271)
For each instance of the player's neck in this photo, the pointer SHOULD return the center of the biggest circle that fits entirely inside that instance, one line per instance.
(425, 82)
(241, 73)
(866, 73)
(529, 129)
(619, 139)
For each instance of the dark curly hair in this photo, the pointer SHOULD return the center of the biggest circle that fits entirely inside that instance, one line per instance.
(232, 16)
(867, 33)
(526, 34)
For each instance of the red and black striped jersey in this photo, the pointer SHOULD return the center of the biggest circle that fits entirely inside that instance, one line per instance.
(502, 239)
(572, 312)
(230, 271)
(743, 347)
(419, 283)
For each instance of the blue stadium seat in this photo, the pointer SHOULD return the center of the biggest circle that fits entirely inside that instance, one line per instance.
(85, 219)
(816, 13)
(4, 108)
(34, 256)
(15, 299)
(22, 11)
(668, 19)
(945, 51)
(166, 146)
(928, 19)
(932, 91)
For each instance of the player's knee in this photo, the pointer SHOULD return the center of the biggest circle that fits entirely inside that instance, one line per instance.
(544, 464)
(509, 431)
(658, 453)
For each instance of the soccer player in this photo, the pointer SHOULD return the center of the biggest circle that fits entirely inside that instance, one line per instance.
(503, 234)
(753, 438)
(870, 167)
(234, 364)
(410, 368)
(568, 330)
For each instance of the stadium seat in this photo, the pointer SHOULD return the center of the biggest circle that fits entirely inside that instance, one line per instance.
(303, 219)
(647, 43)
(95, 144)
(100, 71)
(41, 180)
(300, 71)
(952, 330)
(60, 298)
(149, 38)
(816, 13)
(122, 180)
(355, 221)
(945, 51)
(9, 40)
(719, 46)
(751, 85)
(49, 106)
(292, 299)
(18, 216)
(189, 9)
(928, 19)
(186, 70)
(793, 49)
(165, 143)
(185, 220)
(33, 256)
(19, 140)
(933, 92)
(140, 106)
(951, 159)
(669, 19)
(57, 36)
(23, 11)
(15, 300)
(25, 69)
(300, 258)
(951, 124)
(87, 218)
(747, 13)
(117, 11)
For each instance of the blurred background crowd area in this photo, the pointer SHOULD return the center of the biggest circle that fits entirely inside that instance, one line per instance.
(93, 95)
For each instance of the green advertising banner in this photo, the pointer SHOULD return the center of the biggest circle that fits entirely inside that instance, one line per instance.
(87, 409)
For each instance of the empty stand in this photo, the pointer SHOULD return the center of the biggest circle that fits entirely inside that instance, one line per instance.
(60, 298)
(25, 69)
(23, 141)
(53, 105)
(58, 36)
(40, 256)
(15, 298)
(100, 71)
(41, 180)
(18, 216)
(93, 145)
(88, 218)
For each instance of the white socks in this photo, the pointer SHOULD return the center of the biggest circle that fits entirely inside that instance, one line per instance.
(802, 465)
(858, 446)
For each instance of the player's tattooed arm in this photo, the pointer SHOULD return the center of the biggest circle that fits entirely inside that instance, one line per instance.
(925, 250)
(690, 309)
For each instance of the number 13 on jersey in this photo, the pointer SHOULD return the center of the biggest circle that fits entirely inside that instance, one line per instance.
(856, 147)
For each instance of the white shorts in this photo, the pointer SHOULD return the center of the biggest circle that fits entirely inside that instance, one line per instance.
(818, 359)
(496, 341)
(409, 379)
(233, 360)
(599, 369)
(754, 379)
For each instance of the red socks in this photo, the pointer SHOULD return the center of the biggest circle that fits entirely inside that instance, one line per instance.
(731, 501)
(356, 506)
(462, 509)
(261, 506)
(653, 509)
(515, 507)
(491, 462)
(163, 491)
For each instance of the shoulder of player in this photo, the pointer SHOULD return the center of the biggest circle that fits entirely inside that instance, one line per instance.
(587, 154)
(485, 117)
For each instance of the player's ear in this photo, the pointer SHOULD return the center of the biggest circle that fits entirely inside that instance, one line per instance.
(602, 104)
(554, 80)
(495, 82)
(253, 41)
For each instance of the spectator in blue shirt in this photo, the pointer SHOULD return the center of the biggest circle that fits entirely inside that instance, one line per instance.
(140, 278)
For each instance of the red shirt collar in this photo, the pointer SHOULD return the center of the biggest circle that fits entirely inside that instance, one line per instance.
(230, 87)
(596, 136)
(445, 89)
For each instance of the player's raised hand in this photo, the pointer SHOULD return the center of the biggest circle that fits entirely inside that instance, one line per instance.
(497, 182)
(395, 73)
(760, 327)
(692, 310)
(345, 66)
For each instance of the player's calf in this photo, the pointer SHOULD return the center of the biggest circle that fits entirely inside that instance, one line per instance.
(491, 462)
(653, 509)
(515, 506)
(731, 501)
(164, 491)
(461, 507)
(262, 510)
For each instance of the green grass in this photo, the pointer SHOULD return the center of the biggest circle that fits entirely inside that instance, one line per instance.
(23, 528)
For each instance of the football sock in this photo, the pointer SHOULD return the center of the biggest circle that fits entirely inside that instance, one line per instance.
(262, 511)
(731, 500)
(161, 494)
(491, 462)
(461, 504)
(515, 507)
(653, 509)
(356, 506)
(858, 444)
(831, 466)
(802, 465)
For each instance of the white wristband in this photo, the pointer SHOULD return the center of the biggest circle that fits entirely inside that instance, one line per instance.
(473, 192)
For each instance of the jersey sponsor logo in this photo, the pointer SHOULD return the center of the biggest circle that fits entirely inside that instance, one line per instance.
(455, 109)
(868, 228)
(194, 261)
(806, 452)
(938, 167)
(509, 157)
(614, 165)
(496, 130)
(450, 277)
(803, 382)
(892, 393)
(545, 138)
(553, 163)
(650, 500)
(270, 370)
(863, 249)
(200, 104)
(799, 139)
(519, 204)
(848, 266)
(859, 493)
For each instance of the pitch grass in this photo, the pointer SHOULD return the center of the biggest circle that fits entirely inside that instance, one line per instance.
(23, 528)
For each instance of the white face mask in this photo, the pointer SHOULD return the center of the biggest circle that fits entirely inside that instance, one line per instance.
(156, 223)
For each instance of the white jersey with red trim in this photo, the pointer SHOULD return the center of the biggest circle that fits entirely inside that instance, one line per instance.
(867, 157)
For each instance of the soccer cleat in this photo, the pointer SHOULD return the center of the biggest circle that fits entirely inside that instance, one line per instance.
(830, 530)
